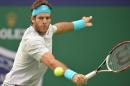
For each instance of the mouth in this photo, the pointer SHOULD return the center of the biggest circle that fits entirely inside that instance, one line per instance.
(44, 28)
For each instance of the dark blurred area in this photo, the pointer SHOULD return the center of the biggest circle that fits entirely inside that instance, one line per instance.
(69, 3)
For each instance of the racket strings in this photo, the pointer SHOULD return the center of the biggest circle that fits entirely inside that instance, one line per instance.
(125, 62)
(120, 58)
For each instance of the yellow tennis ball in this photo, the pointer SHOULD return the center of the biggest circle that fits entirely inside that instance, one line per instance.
(58, 71)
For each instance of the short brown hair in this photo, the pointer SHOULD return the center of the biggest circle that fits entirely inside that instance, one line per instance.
(38, 3)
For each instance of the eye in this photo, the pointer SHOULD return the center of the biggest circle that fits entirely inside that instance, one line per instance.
(41, 18)
(47, 18)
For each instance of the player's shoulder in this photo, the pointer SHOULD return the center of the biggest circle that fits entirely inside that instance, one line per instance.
(31, 35)
(53, 28)
(33, 39)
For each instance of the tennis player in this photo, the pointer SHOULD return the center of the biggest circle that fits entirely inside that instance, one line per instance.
(34, 54)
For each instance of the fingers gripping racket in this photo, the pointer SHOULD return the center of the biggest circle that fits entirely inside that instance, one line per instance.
(117, 60)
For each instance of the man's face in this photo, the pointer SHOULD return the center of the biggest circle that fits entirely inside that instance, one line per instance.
(41, 22)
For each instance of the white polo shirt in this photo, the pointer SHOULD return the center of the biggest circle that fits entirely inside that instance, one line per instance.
(27, 69)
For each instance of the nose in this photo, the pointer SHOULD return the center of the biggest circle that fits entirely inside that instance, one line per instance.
(44, 21)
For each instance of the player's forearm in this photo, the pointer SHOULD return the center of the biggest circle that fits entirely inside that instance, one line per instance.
(51, 62)
(60, 69)
(64, 27)
(75, 25)
(55, 63)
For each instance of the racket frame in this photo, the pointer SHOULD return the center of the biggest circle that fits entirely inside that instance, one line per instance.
(105, 62)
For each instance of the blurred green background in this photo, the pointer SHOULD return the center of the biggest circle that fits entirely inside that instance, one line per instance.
(81, 50)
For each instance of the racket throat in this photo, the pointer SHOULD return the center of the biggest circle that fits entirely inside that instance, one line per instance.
(91, 74)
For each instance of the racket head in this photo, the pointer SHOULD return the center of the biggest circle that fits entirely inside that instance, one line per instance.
(119, 57)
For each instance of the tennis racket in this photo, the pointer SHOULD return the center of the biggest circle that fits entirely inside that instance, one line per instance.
(117, 60)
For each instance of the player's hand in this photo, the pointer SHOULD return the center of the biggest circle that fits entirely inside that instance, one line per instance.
(88, 21)
(79, 79)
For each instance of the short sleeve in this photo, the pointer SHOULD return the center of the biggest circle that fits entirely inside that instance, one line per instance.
(54, 28)
(36, 48)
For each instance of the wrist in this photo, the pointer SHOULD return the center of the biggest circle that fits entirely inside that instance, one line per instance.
(79, 24)
(69, 74)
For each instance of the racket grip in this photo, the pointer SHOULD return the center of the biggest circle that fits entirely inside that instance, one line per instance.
(91, 74)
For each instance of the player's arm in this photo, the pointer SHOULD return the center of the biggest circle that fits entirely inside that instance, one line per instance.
(52, 63)
(75, 25)
(35, 48)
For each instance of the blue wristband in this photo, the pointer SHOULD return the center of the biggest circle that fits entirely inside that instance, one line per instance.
(79, 24)
(69, 74)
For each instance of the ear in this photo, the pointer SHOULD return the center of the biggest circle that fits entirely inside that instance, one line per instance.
(33, 18)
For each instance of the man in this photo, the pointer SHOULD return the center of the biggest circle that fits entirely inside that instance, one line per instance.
(34, 54)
